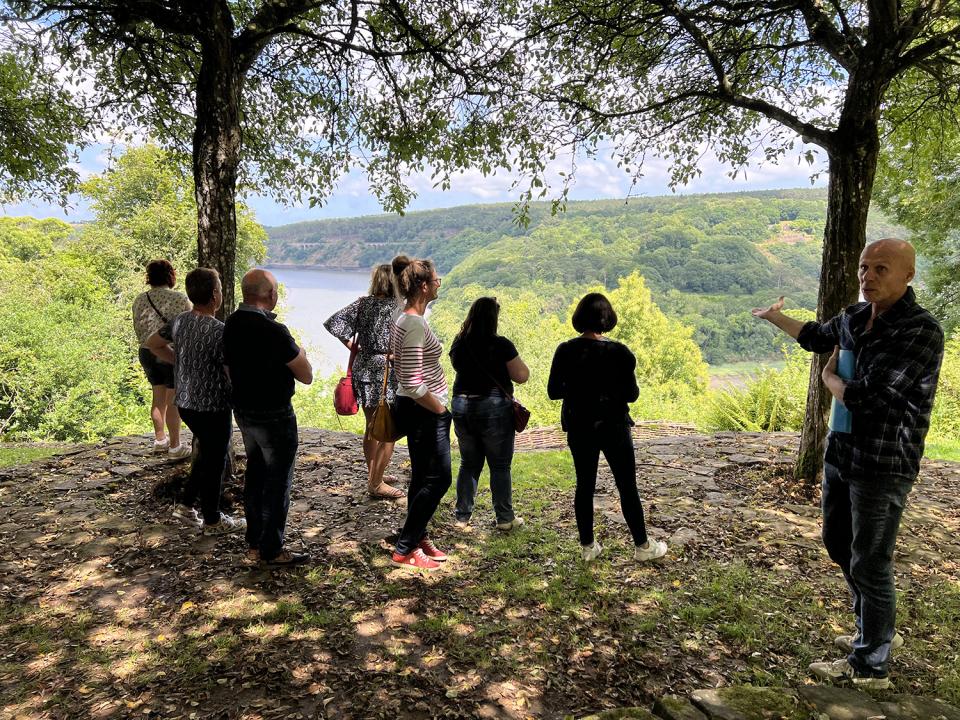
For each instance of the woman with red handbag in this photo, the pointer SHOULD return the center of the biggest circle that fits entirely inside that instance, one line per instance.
(483, 410)
(595, 378)
(363, 327)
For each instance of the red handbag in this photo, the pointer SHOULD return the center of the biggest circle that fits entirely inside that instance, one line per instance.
(344, 401)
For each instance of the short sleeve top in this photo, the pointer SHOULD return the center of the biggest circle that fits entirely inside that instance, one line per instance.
(199, 377)
(256, 349)
(479, 365)
(147, 320)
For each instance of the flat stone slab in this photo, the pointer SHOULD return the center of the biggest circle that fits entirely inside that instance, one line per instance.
(745, 702)
(671, 707)
(837, 703)
(634, 713)
(911, 707)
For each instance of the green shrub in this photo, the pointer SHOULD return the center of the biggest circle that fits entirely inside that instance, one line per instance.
(945, 422)
(774, 400)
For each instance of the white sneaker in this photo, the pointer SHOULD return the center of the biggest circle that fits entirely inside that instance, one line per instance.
(651, 551)
(180, 452)
(226, 525)
(161, 446)
(845, 642)
(589, 553)
(514, 524)
(840, 671)
(187, 514)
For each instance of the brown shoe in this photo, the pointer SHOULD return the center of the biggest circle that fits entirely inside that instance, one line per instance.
(251, 556)
(287, 559)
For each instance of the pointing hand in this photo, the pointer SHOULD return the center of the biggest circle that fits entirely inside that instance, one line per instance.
(765, 313)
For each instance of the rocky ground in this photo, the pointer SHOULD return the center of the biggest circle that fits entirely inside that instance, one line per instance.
(109, 608)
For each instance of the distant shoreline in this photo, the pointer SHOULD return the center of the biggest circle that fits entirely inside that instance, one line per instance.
(297, 266)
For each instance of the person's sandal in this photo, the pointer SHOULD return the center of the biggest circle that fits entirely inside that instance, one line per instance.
(287, 559)
(387, 492)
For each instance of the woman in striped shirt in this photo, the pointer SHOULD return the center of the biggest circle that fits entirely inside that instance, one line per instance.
(421, 412)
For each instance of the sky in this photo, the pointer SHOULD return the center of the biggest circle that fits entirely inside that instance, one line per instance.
(596, 178)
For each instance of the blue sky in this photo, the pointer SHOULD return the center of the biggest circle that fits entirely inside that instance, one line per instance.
(596, 178)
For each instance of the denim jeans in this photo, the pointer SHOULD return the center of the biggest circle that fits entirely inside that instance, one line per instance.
(270, 439)
(428, 440)
(211, 434)
(484, 428)
(615, 441)
(860, 523)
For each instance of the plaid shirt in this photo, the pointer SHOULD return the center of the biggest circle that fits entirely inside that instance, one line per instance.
(891, 394)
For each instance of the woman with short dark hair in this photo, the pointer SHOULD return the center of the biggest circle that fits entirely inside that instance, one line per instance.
(193, 341)
(152, 310)
(487, 364)
(595, 378)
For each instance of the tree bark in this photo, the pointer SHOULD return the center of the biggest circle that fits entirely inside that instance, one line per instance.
(216, 150)
(853, 167)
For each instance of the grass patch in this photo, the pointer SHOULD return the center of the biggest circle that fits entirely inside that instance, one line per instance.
(17, 455)
(943, 450)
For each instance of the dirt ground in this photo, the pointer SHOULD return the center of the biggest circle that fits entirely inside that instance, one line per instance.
(110, 608)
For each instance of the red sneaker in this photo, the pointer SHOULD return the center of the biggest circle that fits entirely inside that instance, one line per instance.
(416, 560)
(431, 550)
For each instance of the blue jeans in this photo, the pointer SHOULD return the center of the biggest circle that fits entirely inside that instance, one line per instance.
(270, 439)
(861, 519)
(428, 440)
(484, 428)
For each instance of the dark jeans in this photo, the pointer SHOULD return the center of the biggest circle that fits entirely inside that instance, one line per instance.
(615, 441)
(428, 440)
(860, 523)
(211, 435)
(270, 439)
(484, 428)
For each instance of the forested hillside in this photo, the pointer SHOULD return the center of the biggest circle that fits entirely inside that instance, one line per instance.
(707, 259)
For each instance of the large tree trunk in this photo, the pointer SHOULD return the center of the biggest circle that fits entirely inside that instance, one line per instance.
(216, 151)
(853, 166)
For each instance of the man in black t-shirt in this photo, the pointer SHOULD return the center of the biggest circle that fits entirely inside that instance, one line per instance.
(263, 360)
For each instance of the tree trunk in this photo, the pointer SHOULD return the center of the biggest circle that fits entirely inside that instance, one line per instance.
(853, 165)
(216, 151)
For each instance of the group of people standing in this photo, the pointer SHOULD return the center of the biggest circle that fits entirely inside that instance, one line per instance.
(244, 369)
(397, 352)
(886, 385)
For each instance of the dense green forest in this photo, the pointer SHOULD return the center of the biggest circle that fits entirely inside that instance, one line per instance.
(707, 259)
(681, 272)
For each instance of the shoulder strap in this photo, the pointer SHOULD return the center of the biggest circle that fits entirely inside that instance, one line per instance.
(150, 300)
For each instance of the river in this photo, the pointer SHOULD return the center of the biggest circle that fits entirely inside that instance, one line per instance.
(310, 297)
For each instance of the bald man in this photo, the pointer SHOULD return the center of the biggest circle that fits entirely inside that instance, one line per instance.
(893, 348)
(264, 361)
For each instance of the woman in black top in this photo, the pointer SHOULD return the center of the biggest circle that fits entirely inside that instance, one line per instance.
(482, 409)
(594, 376)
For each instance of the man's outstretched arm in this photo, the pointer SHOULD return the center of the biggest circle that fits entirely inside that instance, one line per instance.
(774, 315)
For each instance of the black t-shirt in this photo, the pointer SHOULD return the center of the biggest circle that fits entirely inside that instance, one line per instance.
(595, 379)
(256, 349)
(476, 363)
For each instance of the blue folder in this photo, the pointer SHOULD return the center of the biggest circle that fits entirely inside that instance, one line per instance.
(841, 420)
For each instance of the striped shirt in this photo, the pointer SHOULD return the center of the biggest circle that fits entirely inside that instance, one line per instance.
(416, 358)
(891, 393)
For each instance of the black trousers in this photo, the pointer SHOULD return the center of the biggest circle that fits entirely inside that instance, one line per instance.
(616, 443)
(428, 439)
(212, 431)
